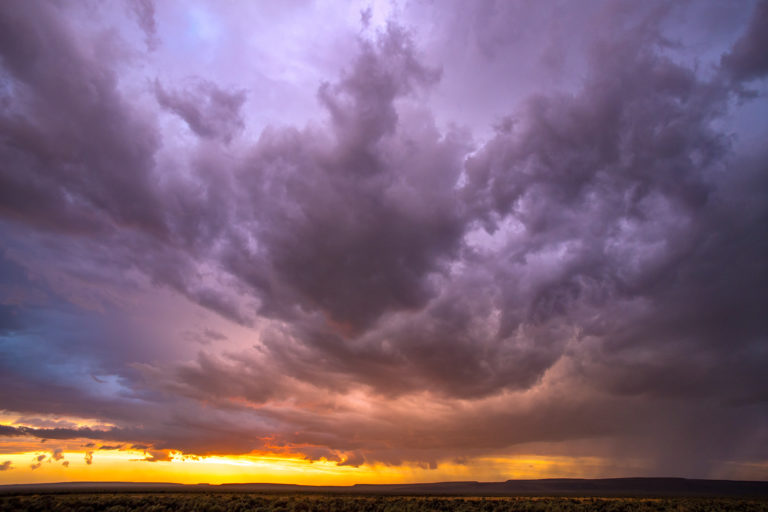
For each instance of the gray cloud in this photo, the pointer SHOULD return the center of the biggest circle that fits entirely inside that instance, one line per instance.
(747, 59)
(53, 176)
(209, 111)
(144, 10)
(352, 225)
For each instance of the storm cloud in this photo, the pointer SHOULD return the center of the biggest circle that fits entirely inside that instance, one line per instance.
(385, 280)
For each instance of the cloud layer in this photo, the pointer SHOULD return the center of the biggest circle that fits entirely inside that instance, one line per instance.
(583, 275)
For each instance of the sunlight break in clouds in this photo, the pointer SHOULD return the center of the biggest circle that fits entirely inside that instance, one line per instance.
(382, 242)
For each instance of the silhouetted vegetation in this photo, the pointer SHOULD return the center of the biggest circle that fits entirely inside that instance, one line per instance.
(221, 502)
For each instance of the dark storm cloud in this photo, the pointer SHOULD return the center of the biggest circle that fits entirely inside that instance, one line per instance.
(209, 111)
(702, 319)
(185, 433)
(604, 252)
(214, 378)
(352, 224)
(54, 176)
(41, 394)
(56, 433)
(9, 319)
(748, 59)
(616, 195)
(629, 238)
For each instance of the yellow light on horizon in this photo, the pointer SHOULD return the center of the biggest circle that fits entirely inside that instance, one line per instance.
(131, 465)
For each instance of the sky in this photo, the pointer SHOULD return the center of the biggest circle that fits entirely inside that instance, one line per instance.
(369, 242)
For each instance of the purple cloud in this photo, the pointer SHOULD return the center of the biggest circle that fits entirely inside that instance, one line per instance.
(209, 111)
(747, 59)
(384, 281)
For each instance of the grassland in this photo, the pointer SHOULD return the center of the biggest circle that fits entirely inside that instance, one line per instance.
(240, 502)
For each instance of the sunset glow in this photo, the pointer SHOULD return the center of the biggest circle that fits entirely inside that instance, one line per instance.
(130, 465)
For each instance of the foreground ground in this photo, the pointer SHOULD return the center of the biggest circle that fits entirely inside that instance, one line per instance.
(200, 502)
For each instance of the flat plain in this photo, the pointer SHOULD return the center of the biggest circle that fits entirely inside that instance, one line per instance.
(241, 502)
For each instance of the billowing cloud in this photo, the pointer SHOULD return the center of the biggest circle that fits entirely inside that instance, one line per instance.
(209, 111)
(583, 275)
(57, 177)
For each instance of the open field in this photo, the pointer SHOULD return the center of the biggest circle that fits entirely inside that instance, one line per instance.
(560, 487)
(220, 502)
